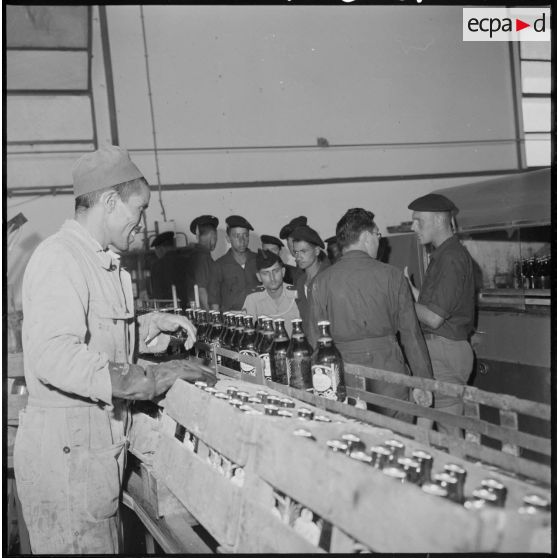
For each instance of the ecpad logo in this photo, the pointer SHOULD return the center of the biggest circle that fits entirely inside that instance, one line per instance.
(506, 24)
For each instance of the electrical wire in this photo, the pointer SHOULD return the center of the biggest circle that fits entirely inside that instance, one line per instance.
(155, 150)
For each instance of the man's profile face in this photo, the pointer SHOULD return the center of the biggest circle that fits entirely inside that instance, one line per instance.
(209, 240)
(239, 237)
(305, 253)
(272, 277)
(424, 225)
(272, 248)
(290, 245)
(123, 221)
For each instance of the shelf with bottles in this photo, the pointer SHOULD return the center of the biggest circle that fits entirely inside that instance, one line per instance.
(513, 265)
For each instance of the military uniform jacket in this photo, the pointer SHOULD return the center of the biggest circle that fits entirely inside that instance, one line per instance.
(368, 303)
(231, 283)
(303, 295)
(259, 303)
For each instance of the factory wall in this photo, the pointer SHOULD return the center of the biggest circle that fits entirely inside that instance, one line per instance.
(250, 94)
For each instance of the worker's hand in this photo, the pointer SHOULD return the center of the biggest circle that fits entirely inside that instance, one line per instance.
(167, 373)
(422, 397)
(414, 290)
(131, 381)
(158, 322)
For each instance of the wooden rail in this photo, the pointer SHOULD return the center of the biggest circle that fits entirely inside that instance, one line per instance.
(512, 439)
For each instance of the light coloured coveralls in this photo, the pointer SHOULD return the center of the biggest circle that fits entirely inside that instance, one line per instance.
(70, 447)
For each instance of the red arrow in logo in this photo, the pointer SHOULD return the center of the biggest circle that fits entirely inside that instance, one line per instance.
(519, 25)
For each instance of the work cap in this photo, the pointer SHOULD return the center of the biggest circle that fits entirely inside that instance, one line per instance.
(433, 202)
(267, 239)
(308, 234)
(203, 220)
(286, 231)
(331, 240)
(108, 166)
(163, 238)
(265, 259)
(238, 221)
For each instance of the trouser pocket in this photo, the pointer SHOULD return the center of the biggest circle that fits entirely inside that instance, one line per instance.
(102, 487)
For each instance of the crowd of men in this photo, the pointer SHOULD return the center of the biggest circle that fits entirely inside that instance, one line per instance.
(80, 331)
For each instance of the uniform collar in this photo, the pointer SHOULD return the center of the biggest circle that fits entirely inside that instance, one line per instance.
(355, 254)
(109, 260)
(446, 244)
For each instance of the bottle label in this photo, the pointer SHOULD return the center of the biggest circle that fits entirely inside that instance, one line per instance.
(248, 368)
(266, 365)
(325, 380)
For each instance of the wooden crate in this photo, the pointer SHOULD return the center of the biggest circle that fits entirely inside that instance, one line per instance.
(354, 505)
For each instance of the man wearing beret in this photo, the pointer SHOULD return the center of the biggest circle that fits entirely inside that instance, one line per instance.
(333, 250)
(167, 269)
(271, 244)
(200, 262)
(234, 275)
(292, 272)
(308, 247)
(445, 305)
(273, 298)
(79, 334)
(368, 304)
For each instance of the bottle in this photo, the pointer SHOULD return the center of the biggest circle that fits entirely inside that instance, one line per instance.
(176, 344)
(215, 335)
(236, 338)
(203, 327)
(247, 345)
(259, 328)
(299, 355)
(328, 376)
(278, 354)
(226, 337)
(265, 345)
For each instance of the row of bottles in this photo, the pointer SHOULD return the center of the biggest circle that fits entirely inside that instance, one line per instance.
(285, 360)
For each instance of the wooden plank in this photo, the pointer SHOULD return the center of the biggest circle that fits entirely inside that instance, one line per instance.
(211, 498)
(173, 533)
(509, 420)
(218, 423)
(471, 410)
(261, 532)
(424, 523)
(509, 402)
(528, 441)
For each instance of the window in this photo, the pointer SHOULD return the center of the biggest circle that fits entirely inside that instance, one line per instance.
(536, 102)
(48, 91)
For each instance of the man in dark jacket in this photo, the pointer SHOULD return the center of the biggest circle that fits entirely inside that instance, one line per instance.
(368, 303)
(234, 274)
(307, 247)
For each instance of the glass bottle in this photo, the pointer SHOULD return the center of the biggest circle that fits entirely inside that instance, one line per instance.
(265, 346)
(278, 355)
(299, 355)
(228, 331)
(236, 338)
(176, 344)
(247, 345)
(328, 376)
(214, 337)
(259, 328)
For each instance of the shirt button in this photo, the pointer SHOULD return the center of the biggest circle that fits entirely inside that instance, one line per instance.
(66, 449)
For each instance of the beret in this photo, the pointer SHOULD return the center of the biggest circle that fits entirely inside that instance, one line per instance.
(433, 203)
(286, 231)
(163, 238)
(266, 239)
(331, 240)
(203, 220)
(265, 259)
(98, 170)
(309, 235)
(238, 221)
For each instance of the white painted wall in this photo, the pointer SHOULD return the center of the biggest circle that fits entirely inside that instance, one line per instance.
(241, 94)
